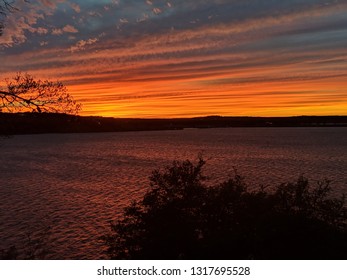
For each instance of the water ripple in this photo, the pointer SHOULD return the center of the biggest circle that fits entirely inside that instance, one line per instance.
(76, 183)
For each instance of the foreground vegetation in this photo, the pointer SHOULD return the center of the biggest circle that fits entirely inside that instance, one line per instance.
(181, 217)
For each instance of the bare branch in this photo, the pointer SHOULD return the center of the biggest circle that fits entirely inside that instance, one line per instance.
(25, 94)
(6, 7)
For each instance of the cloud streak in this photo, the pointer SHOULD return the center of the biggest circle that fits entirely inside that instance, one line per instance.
(186, 58)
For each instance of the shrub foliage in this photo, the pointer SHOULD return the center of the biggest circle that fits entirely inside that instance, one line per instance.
(181, 217)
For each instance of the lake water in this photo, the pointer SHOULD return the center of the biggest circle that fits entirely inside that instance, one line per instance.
(77, 183)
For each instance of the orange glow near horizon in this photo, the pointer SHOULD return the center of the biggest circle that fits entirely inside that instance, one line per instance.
(124, 60)
(199, 97)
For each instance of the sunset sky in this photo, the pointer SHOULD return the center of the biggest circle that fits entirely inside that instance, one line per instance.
(184, 58)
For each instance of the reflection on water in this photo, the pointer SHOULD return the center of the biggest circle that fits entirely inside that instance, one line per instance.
(77, 183)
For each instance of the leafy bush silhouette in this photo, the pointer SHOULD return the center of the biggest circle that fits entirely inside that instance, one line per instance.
(181, 217)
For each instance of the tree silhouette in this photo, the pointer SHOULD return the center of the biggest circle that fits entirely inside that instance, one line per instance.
(25, 94)
(181, 217)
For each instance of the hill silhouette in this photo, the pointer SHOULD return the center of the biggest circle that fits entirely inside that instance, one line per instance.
(33, 123)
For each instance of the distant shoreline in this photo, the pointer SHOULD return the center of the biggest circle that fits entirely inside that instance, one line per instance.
(40, 123)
